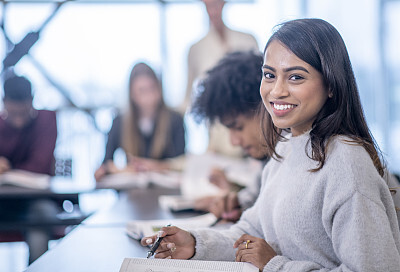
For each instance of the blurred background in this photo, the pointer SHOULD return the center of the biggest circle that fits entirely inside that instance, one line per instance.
(80, 54)
(80, 63)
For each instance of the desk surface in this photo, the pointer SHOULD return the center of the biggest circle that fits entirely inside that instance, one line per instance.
(90, 249)
(100, 242)
(135, 204)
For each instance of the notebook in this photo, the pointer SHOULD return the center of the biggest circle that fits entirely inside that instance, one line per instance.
(25, 179)
(175, 265)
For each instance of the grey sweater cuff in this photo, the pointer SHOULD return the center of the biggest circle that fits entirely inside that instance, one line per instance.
(275, 264)
(199, 247)
(212, 245)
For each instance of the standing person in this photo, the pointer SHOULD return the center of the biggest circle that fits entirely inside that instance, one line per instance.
(231, 95)
(206, 53)
(27, 141)
(149, 132)
(325, 205)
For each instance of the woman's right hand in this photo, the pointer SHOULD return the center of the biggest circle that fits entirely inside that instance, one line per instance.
(176, 244)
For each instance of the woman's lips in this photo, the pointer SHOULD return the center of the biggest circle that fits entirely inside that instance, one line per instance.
(281, 109)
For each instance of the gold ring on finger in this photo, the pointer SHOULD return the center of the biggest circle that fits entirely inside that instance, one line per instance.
(247, 244)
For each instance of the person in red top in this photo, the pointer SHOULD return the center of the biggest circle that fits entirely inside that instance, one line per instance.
(27, 141)
(27, 136)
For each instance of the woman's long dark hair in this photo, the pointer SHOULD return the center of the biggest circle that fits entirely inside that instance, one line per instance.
(318, 43)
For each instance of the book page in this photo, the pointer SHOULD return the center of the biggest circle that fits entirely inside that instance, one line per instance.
(123, 180)
(167, 179)
(176, 202)
(25, 179)
(195, 179)
(129, 180)
(175, 265)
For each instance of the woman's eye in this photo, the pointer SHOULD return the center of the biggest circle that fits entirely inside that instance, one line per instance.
(296, 77)
(268, 75)
(239, 128)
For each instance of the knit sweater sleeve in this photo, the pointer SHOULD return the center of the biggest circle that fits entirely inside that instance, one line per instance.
(352, 224)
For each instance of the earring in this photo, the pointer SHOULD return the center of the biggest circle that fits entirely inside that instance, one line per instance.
(330, 95)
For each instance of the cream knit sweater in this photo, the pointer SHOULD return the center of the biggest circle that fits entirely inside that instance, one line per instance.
(340, 218)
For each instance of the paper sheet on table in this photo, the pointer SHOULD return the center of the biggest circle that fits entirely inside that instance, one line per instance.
(126, 180)
(26, 179)
(195, 180)
(176, 203)
(175, 265)
(137, 229)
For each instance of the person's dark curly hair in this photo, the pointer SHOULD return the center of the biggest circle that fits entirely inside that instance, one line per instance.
(231, 88)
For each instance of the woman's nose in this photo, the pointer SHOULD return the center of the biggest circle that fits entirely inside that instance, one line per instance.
(279, 90)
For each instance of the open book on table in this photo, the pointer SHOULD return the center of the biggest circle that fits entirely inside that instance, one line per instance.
(195, 177)
(137, 229)
(174, 265)
(26, 179)
(177, 203)
(128, 180)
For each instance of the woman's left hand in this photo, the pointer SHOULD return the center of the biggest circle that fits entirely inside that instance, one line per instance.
(253, 250)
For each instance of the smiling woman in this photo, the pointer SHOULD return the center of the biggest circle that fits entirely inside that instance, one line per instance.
(310, 69)
(292, 90)
(324, 199)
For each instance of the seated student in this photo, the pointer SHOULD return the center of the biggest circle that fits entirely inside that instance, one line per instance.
(148, 130)
(27, 136)
(325, 205)
(231, 95)
(27, 141)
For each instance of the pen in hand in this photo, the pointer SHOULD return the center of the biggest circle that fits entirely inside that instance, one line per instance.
(155, 245)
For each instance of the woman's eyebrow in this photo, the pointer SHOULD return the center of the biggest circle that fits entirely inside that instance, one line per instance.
(296, 68)
(287, 69)
(268, 67)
